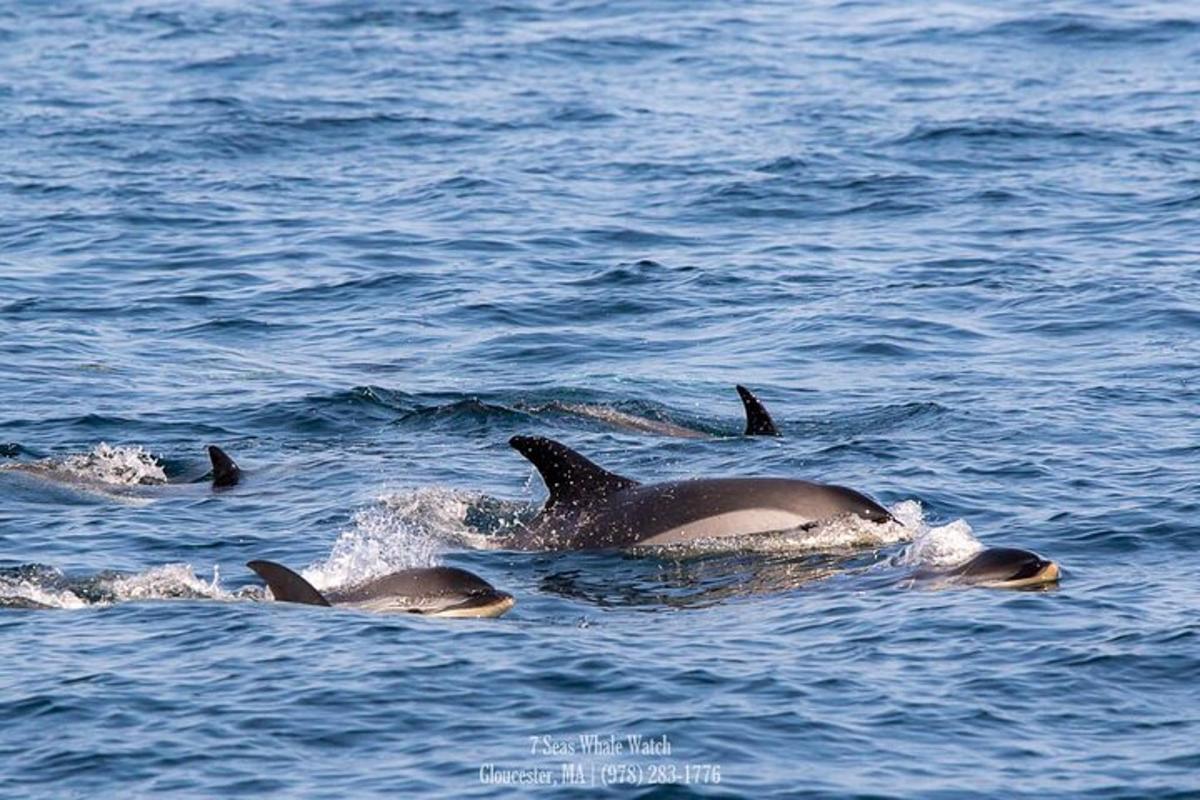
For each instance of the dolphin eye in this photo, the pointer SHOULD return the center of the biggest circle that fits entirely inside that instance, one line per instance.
(1028, 569)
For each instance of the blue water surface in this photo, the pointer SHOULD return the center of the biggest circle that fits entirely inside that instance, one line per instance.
(954, 247)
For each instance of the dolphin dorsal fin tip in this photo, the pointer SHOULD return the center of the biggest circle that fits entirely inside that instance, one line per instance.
(569, 477)
(287, 586)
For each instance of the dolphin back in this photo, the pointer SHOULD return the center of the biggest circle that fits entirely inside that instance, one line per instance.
(286, 586)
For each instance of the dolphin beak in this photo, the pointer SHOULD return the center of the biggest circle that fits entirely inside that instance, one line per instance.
(487, 604)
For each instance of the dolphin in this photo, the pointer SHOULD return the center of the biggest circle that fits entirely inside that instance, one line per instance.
(758, 420)
(436, 591)
(127, 487)
(998, 567)
(592, 508)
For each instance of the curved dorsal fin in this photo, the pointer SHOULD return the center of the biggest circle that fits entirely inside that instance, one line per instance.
(569, 477)
(225, 473)
(758, 421)
(286, 586)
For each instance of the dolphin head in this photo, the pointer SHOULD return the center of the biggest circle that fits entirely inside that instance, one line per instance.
(485, 603)
(437, 591)
(860, 505)
(1007, 567)
(459, 593)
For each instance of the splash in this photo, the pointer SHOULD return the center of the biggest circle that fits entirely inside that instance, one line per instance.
(37, 587)
(934, 546)
(401, 530)
(168, 582)
(123, 466)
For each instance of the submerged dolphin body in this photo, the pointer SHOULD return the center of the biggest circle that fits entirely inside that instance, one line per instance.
(758, 421)
(436, 591)
(591, 508)
(225, 474)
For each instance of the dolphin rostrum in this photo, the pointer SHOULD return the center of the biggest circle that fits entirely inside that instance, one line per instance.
(590, 507)
(436, 591)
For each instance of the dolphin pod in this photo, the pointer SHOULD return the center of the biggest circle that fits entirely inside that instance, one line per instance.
(592, 508)
(589, 508)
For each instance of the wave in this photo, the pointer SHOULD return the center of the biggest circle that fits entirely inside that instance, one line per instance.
(983, 132)
(1092, 30)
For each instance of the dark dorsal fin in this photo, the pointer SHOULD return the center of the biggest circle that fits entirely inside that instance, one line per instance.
(286, 586)
(758, 421)
(225, 473)
(569, 477)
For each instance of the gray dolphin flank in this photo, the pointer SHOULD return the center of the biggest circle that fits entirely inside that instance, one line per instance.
(592, 508)
(436, 591)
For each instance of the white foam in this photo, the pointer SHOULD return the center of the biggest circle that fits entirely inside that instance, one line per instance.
(935, 546)
(401, 530)
(170, 581)
(49, 587)
(124, 466)
(42, 595)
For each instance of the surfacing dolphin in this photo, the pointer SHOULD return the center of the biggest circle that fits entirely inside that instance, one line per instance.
(997, 567)
(94, 474)
(436, 591)
(592, 508)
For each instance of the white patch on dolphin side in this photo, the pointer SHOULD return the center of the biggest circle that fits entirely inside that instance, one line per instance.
(749, 521)
(843, 532)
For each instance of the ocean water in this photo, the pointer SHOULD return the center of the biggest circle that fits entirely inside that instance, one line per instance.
(953, 247)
